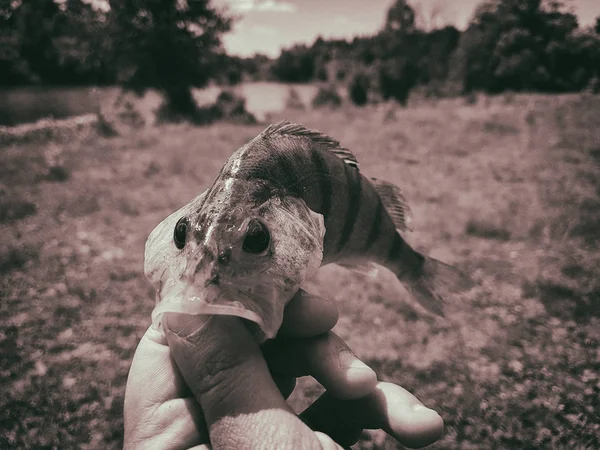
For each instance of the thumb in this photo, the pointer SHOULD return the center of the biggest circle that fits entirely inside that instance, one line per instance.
(224, 368)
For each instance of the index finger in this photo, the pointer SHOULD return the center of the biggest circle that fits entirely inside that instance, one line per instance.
(224, 368)
(308, 315)
(389, 407)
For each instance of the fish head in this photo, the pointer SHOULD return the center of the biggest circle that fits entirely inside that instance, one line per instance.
(235, 256)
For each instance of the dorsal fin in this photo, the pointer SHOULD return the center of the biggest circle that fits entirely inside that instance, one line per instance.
(287, 128)
(395, 203)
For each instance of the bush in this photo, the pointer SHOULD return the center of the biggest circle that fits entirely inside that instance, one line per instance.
(12, 210)
(358, 90)
(105, 127)
(321, 73)
(131, 116)
(471, 98)
(293, 100)
(178, 105)
(229, 106)
(397, 77)
(294, 65)
(594, 85)
(327, 96)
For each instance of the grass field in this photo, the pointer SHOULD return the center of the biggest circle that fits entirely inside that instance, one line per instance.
(507, 189)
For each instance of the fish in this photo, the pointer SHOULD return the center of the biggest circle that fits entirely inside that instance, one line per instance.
(288, 202)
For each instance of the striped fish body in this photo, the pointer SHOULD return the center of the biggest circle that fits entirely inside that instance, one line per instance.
(290, 200)
(295, 162)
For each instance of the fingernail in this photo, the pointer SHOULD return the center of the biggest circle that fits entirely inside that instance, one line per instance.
(358, 364)
(419, 407)
(359, 379)
(418, 428)
(350, 362)
(426, 415)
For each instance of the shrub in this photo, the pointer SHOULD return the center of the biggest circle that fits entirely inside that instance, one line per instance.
(131, 116)
(321, 73)
(293, 100)
(105, 127)
(327, 96)
(229, 106)
(58, 173)
(358, 90)
(487, 230)
(12, 210)
(471, 98)
(15, 258)
(594, 85)
(178, 105)
(396, 79)
(295, 65)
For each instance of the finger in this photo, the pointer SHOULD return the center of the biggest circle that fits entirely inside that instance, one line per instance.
(180, 416)
(327, 358)
(154, 399)
(389, 407)
(308, 315)
(225, 370)
(152, 365)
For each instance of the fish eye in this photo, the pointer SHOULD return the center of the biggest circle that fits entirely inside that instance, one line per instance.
(180, 233)
(257, 237)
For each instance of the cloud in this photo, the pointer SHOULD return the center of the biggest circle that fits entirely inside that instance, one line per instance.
(262, 6)
(260, 29)
(343, 20)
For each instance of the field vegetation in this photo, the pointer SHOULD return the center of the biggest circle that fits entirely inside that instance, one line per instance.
(506, 188)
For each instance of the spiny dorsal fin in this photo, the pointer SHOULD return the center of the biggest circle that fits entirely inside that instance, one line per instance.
(395, 203)
(287, 128)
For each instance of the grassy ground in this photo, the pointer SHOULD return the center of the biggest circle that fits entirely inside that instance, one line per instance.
(508, 190)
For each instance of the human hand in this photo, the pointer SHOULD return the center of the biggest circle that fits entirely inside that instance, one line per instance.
(233, 399)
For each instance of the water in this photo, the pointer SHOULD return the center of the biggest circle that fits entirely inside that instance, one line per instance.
(28, 104)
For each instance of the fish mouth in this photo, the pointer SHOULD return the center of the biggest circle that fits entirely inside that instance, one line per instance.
(184, 298)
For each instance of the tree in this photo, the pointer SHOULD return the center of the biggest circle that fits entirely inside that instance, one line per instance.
(54, 43)
(13, 67)
(358, 89)
(520, 45)
(397, 77)
(295, 65)
(400, 17)
(597, 26)
(169, 45)
(30, 29)
(432, 15)
(82, 48)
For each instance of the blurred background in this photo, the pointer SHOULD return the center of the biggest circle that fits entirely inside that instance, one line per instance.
(485, 112)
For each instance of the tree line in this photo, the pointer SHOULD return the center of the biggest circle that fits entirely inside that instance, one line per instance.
(173, 45)
(517, 45)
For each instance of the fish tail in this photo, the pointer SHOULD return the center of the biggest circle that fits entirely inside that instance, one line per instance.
(433, 282)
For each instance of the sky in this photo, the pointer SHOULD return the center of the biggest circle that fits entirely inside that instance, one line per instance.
(267, 26)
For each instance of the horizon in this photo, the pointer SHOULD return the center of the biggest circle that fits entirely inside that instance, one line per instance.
(268, 26)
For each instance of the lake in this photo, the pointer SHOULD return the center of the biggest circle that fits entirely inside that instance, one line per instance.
(28, 104)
